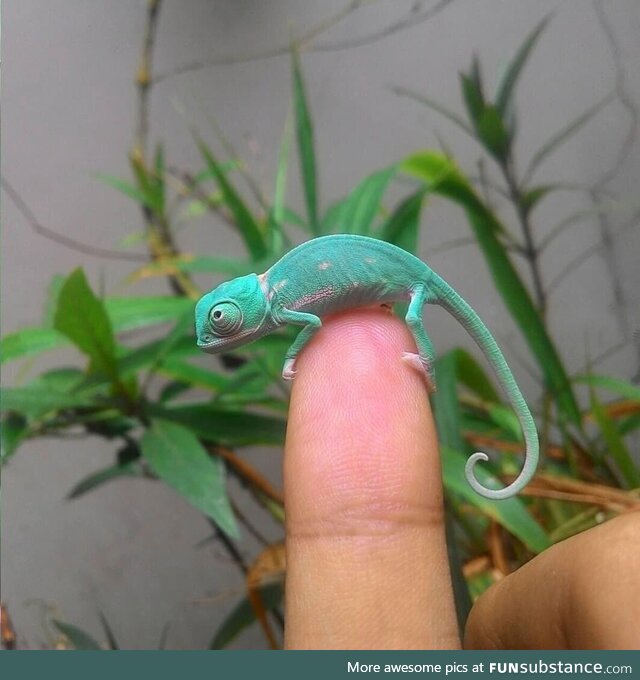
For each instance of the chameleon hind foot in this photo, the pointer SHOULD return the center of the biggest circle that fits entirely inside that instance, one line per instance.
(288, 370)
(423, 367)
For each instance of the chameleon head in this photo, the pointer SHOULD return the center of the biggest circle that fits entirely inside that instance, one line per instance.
(234, 313)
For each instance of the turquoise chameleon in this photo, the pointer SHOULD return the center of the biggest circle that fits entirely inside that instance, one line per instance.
(333, 273)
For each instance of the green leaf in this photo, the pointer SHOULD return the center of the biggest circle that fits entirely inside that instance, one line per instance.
(435, 106)
(306, 152)
(37, 399)
(532, 197)
(13, 431)
(77, 637)
(243, 615)
(125, 314)
(512, 74)
(442, 177)
(622, 387)
(247, 225)
(82, 317)
(106, 626)
(51, 303)
(402, 226)
(100, 477)
(355, 213)
(277, 216)
(215, 424)
(506, 419)
(510, 513)
(493, 134)
(195, 376)
(157, 180)
(472, 94)
(616, 448)
(128, 189)
(29, 341)
(564, 135)
(446, 405)
(473, 376)
(177, 457)
(130, 313)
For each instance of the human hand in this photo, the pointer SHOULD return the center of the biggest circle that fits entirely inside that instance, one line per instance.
(367, 564)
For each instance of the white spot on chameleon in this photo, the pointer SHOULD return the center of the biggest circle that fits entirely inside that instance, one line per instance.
(324, 265)
(369, 260)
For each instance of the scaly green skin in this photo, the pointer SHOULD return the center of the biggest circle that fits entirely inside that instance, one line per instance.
(338, 272)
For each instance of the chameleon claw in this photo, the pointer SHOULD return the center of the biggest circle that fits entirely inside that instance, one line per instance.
(288, 370)
(423, 367)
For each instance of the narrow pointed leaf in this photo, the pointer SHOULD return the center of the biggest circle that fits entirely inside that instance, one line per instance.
(473, 376)
(245, 222)
(108, 631)
(512, 74)
(141, 196)
(13, 431)
(402, 226)
(621, 387)
(616, 448)
(30, 341)
(435, 106)
(492, 133)
(564, 135)
(76, 636)
(362, 205)
(100, 477)
(243, 615)
(177, 457)
(37, 399)
(446, 404)
(473, 99)
(306, 151)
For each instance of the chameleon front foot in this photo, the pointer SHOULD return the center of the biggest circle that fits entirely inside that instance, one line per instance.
(423, 367)
(288, 370)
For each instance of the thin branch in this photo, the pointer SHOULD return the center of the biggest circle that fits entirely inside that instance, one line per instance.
(61, 239)
(248, 525)
(160, 240)
(568, 221)
(247, 473)
(300, 42)
(626, 145)
(143, 76)
(590, 252)
(230, 547)
(620, 89)
(305, 41)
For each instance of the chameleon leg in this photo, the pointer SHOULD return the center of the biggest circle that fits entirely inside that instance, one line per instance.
(311, 324)
(423, 361)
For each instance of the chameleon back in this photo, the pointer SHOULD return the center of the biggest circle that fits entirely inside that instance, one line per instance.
(343, 271)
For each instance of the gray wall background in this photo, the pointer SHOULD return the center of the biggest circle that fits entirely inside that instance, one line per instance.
(131, 548)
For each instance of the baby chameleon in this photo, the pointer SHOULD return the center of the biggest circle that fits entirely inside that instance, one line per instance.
(333, 273)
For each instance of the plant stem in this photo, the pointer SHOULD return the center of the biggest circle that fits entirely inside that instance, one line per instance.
(530, 252)
(160, 240)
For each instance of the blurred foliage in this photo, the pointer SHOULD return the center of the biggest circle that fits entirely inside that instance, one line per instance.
(173, 418)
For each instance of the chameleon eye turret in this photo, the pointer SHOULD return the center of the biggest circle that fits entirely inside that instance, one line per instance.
(225, 319)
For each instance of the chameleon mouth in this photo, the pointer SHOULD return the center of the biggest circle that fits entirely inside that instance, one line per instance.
(208, 346)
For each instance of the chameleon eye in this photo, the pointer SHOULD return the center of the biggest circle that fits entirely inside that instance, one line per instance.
(225, 319)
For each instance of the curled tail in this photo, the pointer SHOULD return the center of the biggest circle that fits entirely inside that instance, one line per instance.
(446, 297)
